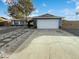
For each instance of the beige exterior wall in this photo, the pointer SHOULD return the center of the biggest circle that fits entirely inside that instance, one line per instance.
(70, 24)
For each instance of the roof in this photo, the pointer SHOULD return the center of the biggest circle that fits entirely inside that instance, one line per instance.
(2, 19)
(47, 16)
(18, 19)
(22, 19)
(71, 20)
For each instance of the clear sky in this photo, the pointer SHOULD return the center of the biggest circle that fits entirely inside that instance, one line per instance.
(65, 8)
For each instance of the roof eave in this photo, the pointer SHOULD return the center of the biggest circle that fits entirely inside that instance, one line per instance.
(48, 17)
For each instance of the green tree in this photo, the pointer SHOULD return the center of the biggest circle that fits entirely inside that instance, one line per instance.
(20, 9)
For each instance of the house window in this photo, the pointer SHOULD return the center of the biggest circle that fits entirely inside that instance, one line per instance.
(16, 22)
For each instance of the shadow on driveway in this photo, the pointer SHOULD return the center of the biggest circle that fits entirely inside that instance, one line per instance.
(73, 31)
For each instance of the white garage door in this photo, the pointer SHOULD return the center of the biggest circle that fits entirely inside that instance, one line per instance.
(48, 24)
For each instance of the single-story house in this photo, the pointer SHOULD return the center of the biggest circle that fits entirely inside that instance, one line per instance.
(4, 22)
(47, 21)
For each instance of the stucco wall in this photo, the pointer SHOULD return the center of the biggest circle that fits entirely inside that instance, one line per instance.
(70, 24)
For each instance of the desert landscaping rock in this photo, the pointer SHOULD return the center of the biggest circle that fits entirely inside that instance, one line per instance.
(1, 44)
(9, 43)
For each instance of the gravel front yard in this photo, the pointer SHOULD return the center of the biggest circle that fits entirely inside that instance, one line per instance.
(10, 41)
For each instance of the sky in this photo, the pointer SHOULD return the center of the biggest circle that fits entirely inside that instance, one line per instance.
(64, 8)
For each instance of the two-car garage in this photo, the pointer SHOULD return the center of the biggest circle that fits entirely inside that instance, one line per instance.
(48, 24)
(48, 21)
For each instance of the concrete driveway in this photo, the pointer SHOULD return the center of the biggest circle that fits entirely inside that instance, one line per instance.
(48, 44)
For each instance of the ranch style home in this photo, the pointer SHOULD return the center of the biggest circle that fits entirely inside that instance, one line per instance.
(46, 21)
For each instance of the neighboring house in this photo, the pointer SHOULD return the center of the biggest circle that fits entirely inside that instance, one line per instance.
(70, 24)
(4, 22)
(47, 21)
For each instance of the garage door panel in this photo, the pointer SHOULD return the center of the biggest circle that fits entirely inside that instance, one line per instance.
(48, 24)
